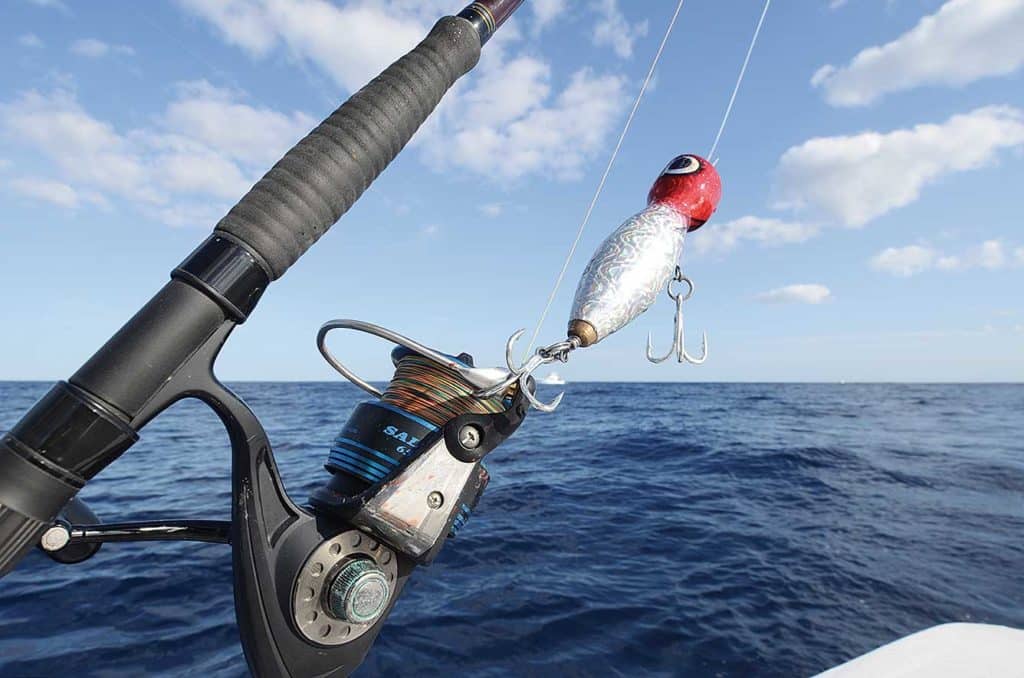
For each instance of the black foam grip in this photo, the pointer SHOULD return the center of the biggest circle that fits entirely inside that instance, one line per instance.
(323, 175)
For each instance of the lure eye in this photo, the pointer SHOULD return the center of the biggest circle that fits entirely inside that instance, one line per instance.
(684, 164)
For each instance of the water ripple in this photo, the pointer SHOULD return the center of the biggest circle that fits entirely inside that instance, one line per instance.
(763, 529)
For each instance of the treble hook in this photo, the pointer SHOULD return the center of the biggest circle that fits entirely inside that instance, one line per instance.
(679, 340)
(521, 374)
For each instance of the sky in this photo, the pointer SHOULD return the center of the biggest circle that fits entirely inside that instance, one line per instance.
(872, 170)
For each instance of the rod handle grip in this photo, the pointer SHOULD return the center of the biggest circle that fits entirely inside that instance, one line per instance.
(320, 178)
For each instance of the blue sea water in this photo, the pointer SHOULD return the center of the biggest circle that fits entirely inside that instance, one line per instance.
(642, 529)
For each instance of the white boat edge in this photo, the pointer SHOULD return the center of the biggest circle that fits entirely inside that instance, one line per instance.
(955, 650)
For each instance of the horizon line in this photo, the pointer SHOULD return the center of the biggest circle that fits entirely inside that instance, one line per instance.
(838, 382)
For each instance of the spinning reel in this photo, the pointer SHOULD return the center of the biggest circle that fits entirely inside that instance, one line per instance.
(315, 582)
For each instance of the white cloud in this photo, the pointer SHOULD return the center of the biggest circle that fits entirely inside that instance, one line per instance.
(55, 192)
(241, 23)
(52, 4)
(430, 230)
(524, 83)
(184, 166)
(904, 261)
(860, 177)
(49, 191)
(724, 237)
(510, 122)
(796, 294)
(85, 149)
(1018, 255)
(965, 40)
(217, 119)
(492, 209)
(351, 43)
(194, 158)
(94, 49)
(546, 11)
(189, 214)
(30, 40)
(614, 30)
(988, 255)
(914, 259)
(539, 135)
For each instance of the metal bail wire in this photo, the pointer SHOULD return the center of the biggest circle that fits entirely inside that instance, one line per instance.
(679, 340)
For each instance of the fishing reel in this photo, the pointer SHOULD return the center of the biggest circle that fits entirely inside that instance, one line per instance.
(406, 472)
(314, 583)
(407, 467)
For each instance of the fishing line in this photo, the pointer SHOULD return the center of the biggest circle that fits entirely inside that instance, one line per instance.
(604, 178)
(739, 81)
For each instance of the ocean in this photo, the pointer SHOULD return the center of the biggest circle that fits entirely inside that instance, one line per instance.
(640, 530)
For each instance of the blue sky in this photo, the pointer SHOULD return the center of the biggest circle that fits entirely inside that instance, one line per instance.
(869, 227)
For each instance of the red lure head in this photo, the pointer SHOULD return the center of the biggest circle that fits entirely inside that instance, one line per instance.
(691, 186)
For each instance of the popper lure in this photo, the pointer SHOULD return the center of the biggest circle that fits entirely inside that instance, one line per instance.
(640, 257)
(633, 264)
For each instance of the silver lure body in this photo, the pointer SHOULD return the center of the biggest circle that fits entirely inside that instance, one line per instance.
(629, 269)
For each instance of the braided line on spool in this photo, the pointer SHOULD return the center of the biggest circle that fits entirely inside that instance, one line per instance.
(421, 398)
(429, 391)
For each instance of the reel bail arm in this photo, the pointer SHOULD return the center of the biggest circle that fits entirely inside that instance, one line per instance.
(482, 378)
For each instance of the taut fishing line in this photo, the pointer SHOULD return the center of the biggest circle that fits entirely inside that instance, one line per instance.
(618, 146)
(739, 81)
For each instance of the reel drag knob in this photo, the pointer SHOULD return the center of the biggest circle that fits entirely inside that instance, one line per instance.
(359, 593)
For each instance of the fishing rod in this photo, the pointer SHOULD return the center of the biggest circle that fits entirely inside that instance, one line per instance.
(314, 582)
(312, 585)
